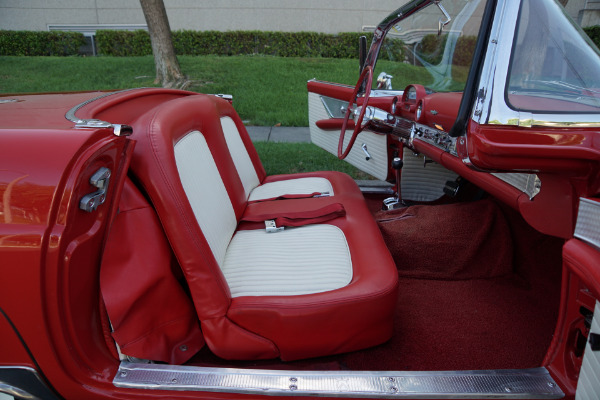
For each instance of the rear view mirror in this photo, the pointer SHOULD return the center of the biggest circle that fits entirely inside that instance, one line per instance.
(442, 23)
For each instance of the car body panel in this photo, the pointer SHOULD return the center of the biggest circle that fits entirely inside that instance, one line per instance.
(53, 317)
(51, 244)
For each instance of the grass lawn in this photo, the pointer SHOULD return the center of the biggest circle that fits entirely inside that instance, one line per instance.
(290, 158)
(266, 91)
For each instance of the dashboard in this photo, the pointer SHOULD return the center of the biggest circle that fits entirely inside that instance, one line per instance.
(421, 119)
(419, 113)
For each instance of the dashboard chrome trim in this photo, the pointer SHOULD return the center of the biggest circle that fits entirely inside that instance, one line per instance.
(435, 137)
(530, 184)
(409, 131)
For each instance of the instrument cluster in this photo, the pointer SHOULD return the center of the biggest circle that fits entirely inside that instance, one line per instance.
(420, 113)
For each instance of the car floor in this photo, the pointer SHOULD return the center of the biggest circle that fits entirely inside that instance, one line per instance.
(480, 291)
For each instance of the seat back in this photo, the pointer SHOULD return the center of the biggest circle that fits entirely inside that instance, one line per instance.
(250, 170)
(183, 163)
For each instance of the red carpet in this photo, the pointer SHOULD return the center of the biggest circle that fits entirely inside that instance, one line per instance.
(457, 325)
(453, 241)
(481, 291)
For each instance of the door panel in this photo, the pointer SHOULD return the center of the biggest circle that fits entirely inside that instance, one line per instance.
(585, 260)
(588, 386)
(376, 144)
(580, 296)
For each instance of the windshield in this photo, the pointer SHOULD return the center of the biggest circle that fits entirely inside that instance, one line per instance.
(415, 51)
(554, 66)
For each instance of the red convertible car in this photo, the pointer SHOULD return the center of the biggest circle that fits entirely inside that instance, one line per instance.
(145, 253)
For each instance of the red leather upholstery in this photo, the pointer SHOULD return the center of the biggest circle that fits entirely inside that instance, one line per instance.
(151, 316)
(356, 316)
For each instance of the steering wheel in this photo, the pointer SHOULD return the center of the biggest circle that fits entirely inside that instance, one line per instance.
(366, 77)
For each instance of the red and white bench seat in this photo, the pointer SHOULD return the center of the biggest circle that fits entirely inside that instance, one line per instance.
(306, 291)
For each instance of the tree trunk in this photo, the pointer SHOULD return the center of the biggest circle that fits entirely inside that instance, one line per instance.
(168, 72)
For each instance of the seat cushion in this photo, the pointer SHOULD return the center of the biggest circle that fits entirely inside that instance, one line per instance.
(295, 261)
(356, 315)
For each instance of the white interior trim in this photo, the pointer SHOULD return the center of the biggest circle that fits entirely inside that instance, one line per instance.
(588, 386)
(376, 144)
(295, 261)
(239, 154)
(206, 192)
(423, 182)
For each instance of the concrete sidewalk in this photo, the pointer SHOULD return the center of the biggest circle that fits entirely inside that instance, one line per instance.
(284, 134)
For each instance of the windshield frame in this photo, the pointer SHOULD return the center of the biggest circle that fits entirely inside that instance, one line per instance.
(491, 106)
(468, 102)
(388, 23)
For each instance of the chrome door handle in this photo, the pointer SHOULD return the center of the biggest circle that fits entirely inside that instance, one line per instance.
(364, 149)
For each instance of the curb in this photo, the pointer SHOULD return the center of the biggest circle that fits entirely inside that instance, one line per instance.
(285, 134)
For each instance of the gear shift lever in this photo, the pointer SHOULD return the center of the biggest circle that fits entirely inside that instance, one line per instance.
(397, 165)
(392, 203)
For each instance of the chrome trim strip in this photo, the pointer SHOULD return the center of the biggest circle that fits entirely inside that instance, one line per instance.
(24, 383)
(529, 120)
(385, 93)
(490, 106)
(330, 83)
(587, 227)
(530, 184)
(494, 384)
(335, 108)
(94, 123)
(118, 129)
(15, 392)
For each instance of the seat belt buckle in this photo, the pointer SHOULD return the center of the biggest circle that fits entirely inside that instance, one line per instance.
(271, 227)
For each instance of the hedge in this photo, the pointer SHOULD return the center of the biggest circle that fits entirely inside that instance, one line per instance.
(594, 33)
(40, 43)
(431, 49)
(282, 44)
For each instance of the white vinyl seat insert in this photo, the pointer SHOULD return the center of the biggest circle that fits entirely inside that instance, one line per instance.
(270, 190)
(304, 260)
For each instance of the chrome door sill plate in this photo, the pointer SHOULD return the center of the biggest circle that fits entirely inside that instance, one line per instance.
(492, 384)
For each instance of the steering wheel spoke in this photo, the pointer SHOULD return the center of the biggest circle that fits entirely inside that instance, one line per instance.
(365, 80)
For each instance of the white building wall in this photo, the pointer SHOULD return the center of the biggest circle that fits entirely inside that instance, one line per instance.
(328, 16)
